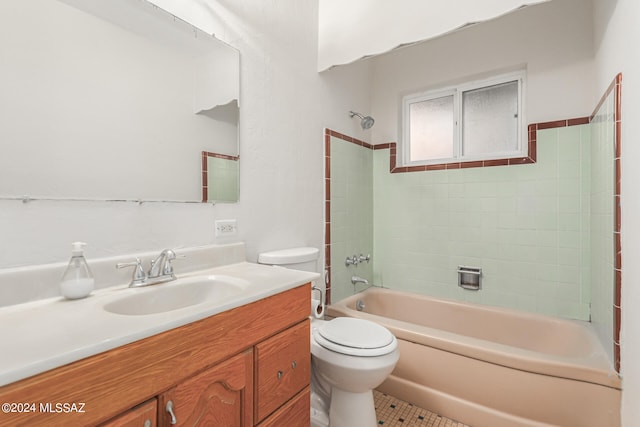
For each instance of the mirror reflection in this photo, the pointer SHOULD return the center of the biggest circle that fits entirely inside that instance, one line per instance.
(111, 101)
(220, 178)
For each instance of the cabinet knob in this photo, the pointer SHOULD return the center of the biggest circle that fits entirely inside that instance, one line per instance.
(294, 364)
(280, 374)
(147, 423)
(169, 409)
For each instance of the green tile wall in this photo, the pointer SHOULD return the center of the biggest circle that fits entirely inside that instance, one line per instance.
(351, 214)
(602, 221)
(526, 226)
(223, 179)
(542, 233)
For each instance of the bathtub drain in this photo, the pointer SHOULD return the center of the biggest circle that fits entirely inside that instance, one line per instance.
(359, 305)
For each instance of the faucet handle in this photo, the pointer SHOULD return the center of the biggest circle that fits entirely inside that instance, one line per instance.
(139, 275)
(165, 266)
(169, 253)
(351, 261)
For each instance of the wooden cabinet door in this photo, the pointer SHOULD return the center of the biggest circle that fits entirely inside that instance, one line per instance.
(143, 415)
(219, 396)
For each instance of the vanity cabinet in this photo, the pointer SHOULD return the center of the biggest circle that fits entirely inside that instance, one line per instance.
(246, 366)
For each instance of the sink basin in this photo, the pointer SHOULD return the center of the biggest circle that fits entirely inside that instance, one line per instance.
(178, 294)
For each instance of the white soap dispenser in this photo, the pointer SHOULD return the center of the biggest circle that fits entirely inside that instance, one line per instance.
(77, 280)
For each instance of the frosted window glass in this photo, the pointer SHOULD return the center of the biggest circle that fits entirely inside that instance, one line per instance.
(431, 129)
(490, 119)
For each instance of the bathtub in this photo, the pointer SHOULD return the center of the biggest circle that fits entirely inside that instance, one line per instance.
(493, 367)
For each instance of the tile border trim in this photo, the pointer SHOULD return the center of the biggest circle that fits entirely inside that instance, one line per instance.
(532, 131)
(616, 88)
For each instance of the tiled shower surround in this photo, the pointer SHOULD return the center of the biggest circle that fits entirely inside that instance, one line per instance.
(530, 226)
(526, 226)
(351, 213)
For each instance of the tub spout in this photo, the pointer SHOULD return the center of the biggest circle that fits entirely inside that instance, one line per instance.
(357, 279)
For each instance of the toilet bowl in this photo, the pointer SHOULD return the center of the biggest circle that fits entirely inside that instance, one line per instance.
(349, 357)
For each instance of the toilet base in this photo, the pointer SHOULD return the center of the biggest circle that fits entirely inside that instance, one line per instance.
(349, 409)
(319, 411)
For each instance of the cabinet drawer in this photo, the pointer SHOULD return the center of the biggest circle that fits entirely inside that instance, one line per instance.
(282, 368)
(143, 415)
(295, 413)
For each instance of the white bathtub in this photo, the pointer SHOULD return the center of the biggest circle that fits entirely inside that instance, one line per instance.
(493, 367)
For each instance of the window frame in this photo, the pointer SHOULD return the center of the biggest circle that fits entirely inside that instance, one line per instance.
(457, 91)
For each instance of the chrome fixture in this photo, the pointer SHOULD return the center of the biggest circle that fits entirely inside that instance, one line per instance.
(357, 279)
(351, 261)
(360, 305)
(355, 260)
(469, 277)
(363, 258)
(169, 409)
(314, 288)
(139, 277)
(365, 121)
(161, 266)
(161, 270)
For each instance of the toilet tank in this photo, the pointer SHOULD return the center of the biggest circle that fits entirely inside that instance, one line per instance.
(304, 258)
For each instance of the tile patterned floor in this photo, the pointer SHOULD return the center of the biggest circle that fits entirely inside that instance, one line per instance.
(393, 412)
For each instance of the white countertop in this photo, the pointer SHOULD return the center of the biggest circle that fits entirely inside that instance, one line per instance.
(42, 335)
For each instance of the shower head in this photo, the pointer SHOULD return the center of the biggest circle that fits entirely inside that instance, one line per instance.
(365, 122)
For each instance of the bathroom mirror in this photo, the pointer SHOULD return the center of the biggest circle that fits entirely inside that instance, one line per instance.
(111, 100)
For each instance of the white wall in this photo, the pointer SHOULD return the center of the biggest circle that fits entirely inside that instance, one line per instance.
(285, 104)
(553, 40)
(616, 37)
(359, 28)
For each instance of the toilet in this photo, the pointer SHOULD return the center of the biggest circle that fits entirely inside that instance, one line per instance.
(349, 357)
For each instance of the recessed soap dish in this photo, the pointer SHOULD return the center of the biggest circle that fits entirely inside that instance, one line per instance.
(469, 277)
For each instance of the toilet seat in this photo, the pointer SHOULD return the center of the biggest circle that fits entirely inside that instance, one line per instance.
(355, 337)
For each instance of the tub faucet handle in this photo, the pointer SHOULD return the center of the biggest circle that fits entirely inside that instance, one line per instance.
(363, 258)
(351, 261)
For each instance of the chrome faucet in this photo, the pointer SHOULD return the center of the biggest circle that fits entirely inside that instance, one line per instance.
(161, 267)
(357, 279)
(139, 277)
(160, 271)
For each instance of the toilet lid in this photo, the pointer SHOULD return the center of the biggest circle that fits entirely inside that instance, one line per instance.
(358, 337)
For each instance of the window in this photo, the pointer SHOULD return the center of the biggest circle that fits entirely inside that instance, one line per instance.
(480, 120)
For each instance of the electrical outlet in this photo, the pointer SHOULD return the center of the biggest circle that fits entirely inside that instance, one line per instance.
(226, 227)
